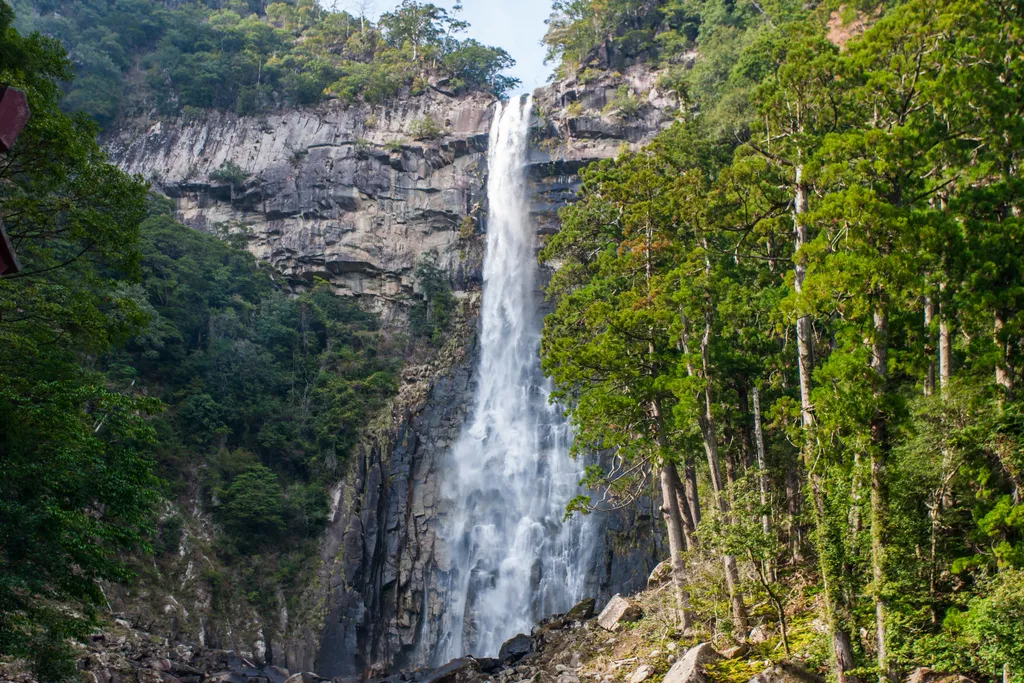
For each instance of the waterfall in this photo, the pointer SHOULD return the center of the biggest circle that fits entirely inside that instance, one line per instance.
(509, 477)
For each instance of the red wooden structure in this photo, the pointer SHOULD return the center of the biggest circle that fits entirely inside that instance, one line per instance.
(13, 117)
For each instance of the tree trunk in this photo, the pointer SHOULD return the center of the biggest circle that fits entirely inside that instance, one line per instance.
(930, 310)
(945, 350)
(880, 365)
(762, 469)
(1004, 372)
(692, 495)
(676, 542)
(804, 343)
(709, 432)
(838, 615)
(689, 527)
(792, 511)
(745, 435)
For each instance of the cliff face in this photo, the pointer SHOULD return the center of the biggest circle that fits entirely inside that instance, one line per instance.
(359, 196)
(355, 195)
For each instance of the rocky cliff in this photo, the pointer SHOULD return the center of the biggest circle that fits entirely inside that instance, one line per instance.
(359, 196)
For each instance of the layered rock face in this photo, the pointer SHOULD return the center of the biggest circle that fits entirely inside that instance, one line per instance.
(356, 195)
(359, 196)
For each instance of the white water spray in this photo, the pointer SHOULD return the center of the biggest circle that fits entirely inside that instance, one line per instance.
(510, 477)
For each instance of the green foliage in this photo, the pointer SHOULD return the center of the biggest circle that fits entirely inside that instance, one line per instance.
(77, 489)
(229, 172)
(255, 57)
(432, 313)
(249, 373)
(849, 205)
(624, 105)
(252, 507)
(425, 128)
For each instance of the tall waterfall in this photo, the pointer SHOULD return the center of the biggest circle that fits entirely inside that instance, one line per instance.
(509, 476)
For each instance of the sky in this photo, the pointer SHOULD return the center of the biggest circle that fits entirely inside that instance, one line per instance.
(516, 25)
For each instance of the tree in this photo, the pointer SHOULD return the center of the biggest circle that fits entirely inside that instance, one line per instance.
(77, 490)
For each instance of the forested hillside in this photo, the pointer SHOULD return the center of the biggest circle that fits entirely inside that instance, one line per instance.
(798, 311)
(149, 369)
(131, 57)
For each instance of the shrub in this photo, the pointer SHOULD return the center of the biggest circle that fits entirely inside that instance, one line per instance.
(375, 83)
(467, 228)
(229, 172)
(252, 509)
(430, 316)
(625, 105)
(425, 128)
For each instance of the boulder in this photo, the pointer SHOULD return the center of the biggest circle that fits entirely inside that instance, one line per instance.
(462, 670)
(582, 611)
(515, 648)
(787, 672)
(304, 677)
(642, 673)
(618, 610)
(928, 675)
(758, 635)
(276, 674)
(490, 665)
(690, 669)
(735, 652)
(661, 575)
(226, 677)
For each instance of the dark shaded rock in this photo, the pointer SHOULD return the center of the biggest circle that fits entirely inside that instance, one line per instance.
(456, 671)
(490, 665)
(226, 677)
(276, 674)
(515, 648)
(304, 677)
(583, 610)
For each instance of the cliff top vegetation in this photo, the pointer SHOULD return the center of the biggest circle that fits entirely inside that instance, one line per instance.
(134, 56)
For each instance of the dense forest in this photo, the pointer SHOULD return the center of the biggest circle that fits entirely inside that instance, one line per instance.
(797, 315)
(131, 57)
(141, 358)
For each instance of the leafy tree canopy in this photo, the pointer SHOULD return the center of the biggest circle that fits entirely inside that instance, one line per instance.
(133, 56)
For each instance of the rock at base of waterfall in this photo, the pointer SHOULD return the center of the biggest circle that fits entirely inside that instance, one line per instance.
(928, 675)
(734, 652)
(490, 665)
(618, 610)
(515, 648)
(304, 677)
(788, 672)
(460, 670)
(642, 673)
(690, 669)
(758, 635)
(582, 611)
(661, 575)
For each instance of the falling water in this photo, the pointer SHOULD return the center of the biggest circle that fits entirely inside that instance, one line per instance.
(514, 560)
